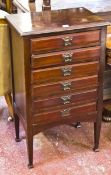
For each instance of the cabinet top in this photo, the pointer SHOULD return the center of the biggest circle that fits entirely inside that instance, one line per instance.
(53, 22)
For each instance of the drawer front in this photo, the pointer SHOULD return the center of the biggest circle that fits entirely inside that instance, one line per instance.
(61, 88)
(66, 100)
(64, 73)
(65, 57)
(64, 42)
(78, 113)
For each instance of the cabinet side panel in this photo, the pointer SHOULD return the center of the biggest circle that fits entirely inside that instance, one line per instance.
(18, 73)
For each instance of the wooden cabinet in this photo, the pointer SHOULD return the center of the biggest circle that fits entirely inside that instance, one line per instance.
(58, 63)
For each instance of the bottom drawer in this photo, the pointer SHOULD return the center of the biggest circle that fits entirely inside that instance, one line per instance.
(77, 113)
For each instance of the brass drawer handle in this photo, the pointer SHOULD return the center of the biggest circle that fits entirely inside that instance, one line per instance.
(66, 99)
(67, 57)
(66, 86)
(65, 112)
(67, 41)
(66, 71)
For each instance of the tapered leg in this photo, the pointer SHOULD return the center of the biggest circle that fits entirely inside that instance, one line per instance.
(17, 128)
(97, 127)
(30, 150)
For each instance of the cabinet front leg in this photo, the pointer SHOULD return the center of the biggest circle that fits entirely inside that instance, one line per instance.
(30, 150)
(97, 128)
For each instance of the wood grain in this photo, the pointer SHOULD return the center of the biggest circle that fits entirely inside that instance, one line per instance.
(59, 102)
(77, 40)
(61, 88)
(48, 75)
(65, 57)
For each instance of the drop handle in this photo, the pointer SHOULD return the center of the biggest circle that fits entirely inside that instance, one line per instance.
(66, 71)
(66, 99)
(67, 57)
(66, 86)
(67, 41)
(65, 112)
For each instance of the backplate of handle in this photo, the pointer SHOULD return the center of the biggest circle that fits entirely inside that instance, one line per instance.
(66, 99)
(66, 71)
(66, 85)
(67, 57)
(67, 41)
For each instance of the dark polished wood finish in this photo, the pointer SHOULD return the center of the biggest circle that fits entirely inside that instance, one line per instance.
(71, 86)
(62, 58)
(58, 63)
(69, 41)
(64, 73)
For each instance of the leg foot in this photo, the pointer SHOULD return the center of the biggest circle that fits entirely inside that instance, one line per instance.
(76, 125)
(96, 149)
(18, 140)
(30, 166)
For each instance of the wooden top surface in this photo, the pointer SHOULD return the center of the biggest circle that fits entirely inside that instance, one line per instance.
(47, 22)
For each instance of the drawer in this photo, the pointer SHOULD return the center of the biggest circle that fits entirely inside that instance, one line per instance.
(64, 72)
(79, 113)
(64, 42)
(66, 100)
(65, 57)
(61, 88)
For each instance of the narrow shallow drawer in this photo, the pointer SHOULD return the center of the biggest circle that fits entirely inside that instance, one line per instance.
(78, 113)
(65, 57)
(64, 72)
(64, 42)
(61, 88)
(62, 101)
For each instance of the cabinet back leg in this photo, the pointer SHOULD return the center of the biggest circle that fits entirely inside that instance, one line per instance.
(16, 119)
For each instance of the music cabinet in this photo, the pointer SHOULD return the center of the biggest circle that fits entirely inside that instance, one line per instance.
(57, 66)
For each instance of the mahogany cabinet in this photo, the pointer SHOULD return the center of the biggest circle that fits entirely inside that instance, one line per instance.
(57, 66)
